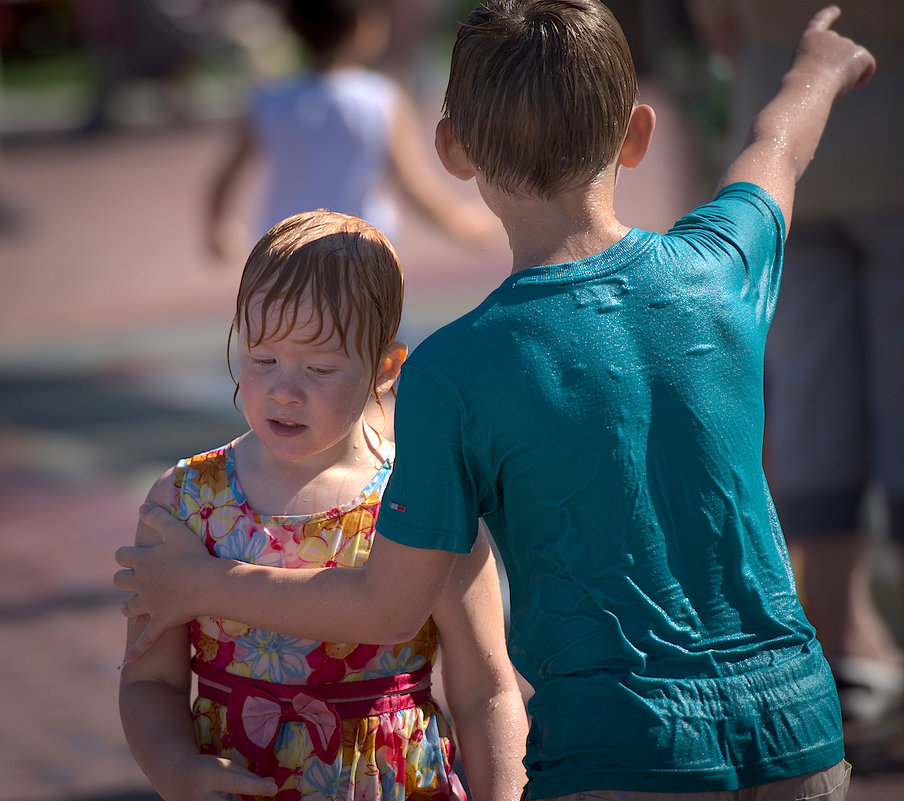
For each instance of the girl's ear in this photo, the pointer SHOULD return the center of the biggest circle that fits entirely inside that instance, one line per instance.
(451, 153)
(393, 355)
(637, 137)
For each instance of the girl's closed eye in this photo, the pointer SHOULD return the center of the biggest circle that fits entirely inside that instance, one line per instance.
(259, 359)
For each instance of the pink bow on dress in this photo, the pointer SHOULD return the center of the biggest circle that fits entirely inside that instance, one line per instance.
(253, 718)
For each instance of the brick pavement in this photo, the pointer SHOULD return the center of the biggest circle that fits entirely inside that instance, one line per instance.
(100, 391)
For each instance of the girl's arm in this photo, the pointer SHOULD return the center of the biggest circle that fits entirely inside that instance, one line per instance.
(154, 706)
(480, 684)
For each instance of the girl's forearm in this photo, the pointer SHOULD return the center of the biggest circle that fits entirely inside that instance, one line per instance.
(158, 729)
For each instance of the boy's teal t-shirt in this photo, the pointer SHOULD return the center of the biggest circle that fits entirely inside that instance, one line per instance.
(605, 418)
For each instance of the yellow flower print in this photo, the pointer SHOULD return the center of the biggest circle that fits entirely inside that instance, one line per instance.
(211, 513)
(234, 629)
(339, 650)
(207, 647)
(425, 642)
(317, 549)
(211, 472)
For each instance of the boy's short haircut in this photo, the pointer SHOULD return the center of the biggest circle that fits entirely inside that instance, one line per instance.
(344, 266)
(540, 92)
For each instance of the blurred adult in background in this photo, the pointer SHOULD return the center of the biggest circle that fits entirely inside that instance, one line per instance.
(12, 217)
(148, 40)
(835, 356)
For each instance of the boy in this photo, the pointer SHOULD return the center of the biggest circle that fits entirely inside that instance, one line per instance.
(602, 411)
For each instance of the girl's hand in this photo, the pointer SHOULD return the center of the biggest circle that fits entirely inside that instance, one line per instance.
(163, 578)
(201, 777)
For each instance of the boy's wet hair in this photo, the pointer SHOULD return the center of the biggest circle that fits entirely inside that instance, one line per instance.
(341, 265)
(540, 92)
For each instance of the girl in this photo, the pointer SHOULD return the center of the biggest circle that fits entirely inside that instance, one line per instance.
(317, 313)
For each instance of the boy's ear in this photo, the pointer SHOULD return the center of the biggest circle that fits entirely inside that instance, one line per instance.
(393, 355)
(637, 137)
(451, 153)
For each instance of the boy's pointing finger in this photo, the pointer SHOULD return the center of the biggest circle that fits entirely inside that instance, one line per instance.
(824, 19)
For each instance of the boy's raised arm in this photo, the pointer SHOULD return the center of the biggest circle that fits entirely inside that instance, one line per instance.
(786, 132)
(385, 601)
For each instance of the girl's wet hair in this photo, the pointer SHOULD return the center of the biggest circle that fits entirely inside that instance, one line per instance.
(540, 92)
(340, 267)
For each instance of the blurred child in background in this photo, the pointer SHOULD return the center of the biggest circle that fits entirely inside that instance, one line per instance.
(338, 135)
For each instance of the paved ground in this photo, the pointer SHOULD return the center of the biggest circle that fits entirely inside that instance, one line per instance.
(112, 330)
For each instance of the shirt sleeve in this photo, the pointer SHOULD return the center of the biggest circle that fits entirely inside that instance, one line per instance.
(431, 500)
(745, 223)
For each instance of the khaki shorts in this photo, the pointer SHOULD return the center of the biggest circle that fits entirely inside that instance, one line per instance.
(830, 784)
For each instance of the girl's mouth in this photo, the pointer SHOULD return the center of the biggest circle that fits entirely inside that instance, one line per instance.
(286, 426)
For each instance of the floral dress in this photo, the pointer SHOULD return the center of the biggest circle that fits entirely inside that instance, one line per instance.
(325, 720)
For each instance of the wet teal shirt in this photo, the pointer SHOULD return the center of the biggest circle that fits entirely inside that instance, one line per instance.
(605, 417)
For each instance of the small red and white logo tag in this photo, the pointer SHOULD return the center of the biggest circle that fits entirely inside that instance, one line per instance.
(397, 507)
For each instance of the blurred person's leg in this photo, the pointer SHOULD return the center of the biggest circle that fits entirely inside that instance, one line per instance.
(882, 236)
(12, 214)
(820, 457)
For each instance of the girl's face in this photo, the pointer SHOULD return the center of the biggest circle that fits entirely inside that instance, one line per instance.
(303, 400)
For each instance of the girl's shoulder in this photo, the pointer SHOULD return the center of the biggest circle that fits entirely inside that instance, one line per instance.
(163, 491)
(210, 467)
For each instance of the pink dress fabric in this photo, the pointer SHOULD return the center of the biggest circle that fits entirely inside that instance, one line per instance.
(401, 754)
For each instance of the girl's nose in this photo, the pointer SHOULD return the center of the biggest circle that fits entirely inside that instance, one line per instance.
(286, 388)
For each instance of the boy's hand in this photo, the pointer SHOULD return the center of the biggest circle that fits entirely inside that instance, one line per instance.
(786, 133)
(202, 777)
(824, 51)
(162, 577)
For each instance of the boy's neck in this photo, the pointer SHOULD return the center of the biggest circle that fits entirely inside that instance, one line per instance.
(571, 226)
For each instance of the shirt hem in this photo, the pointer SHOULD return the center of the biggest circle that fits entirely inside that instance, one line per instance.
(669, 780)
